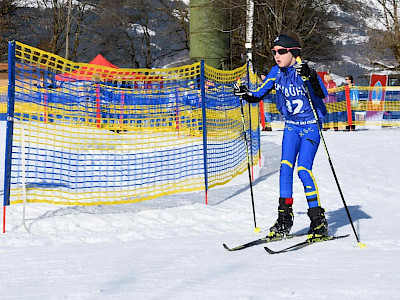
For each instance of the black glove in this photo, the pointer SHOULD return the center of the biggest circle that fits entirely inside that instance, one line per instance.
(243, 91)
(240, 90)
(302, 69)
(316, 85)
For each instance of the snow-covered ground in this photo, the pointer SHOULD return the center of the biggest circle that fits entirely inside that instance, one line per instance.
(171, 248)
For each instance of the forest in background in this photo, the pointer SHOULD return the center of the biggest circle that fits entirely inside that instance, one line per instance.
(340, 35)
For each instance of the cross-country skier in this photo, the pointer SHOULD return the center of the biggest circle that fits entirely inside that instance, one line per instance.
(301, 134)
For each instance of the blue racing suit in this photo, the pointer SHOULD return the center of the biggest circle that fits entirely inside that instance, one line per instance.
(301, 135)
(265, 88)
(268, 83)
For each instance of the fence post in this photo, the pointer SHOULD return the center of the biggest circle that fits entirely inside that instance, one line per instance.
(203, 108)
(262, 116)
(261, 108)
(45, 104)
(121, 111)
(348, 105)
(98, 106)
(261, 120)
(10, 128)
(177, 113)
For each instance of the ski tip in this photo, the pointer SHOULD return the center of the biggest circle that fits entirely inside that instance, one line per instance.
(361, 245)
(269, 250)
(226, 247)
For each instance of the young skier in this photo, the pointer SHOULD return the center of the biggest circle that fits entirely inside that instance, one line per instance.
(301, 136)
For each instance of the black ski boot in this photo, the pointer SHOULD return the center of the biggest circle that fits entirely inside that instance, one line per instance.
(284, 223)
(318, 226)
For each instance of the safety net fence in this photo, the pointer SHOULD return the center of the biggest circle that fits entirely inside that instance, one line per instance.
(87, 134)
(363, 106)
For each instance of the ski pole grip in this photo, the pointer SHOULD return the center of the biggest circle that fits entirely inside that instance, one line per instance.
(298, 60)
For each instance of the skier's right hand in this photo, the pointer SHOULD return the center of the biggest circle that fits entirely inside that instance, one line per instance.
(240, 90)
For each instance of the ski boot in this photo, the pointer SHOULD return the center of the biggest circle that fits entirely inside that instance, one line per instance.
(284, 223)
(319, 225)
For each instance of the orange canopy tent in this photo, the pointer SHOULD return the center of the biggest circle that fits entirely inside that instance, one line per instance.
(101, 69)
(89, 72)
(99, 60)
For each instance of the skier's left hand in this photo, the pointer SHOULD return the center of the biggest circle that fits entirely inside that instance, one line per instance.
(302, 69)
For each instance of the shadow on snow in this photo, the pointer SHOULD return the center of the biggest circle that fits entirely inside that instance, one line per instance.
(338, 218)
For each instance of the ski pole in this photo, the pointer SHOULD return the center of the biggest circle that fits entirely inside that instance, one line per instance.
(361, 245)
(256, 229)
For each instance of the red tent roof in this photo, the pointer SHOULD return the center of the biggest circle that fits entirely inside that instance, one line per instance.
(88, 72)
(101, 68)
(99, 60)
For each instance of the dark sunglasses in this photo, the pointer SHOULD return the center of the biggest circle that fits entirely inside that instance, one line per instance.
(282, 51)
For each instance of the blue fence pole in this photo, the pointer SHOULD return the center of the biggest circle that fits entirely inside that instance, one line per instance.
(203, 108)
(10, 127)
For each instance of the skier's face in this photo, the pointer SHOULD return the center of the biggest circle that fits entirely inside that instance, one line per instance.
(283, 60)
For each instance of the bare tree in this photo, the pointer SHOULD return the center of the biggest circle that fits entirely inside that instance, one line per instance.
(312, 19)
(49, 25)
(177, 14)
(46, 22)
(8, 22)
(79, 17)
(143, 31)
(384, 33)
(115, 21)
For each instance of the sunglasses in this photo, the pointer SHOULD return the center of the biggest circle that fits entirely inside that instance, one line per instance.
(282, 51)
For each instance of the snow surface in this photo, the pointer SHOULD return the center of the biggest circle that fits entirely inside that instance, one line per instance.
(171, 248)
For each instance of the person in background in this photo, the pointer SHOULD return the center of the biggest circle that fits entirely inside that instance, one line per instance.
(191, 99)
(354, 96)
(301, 135)
(331, 118)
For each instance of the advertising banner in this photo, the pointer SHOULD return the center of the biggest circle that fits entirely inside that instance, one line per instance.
(376, 97)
